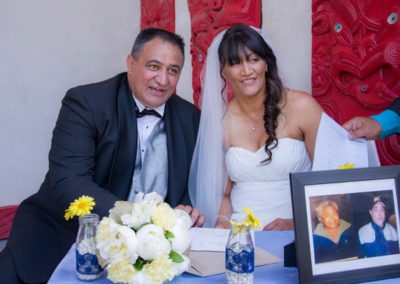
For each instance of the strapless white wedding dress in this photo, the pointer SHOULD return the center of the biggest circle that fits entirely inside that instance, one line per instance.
(265, 188)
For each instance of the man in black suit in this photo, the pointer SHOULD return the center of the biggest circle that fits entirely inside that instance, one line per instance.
(377, 126)
(103, 146)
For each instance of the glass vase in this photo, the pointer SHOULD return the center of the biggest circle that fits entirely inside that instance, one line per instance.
(239, 257)
(87, 265)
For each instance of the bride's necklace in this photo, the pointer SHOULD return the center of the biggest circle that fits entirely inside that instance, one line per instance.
(254, 124)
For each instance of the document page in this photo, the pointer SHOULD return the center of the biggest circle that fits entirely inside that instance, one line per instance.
(205, 239)
(333, 148)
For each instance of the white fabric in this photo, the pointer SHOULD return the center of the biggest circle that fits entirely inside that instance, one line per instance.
(146, 125)
(366, 233)
(208, 174)
(265, 188)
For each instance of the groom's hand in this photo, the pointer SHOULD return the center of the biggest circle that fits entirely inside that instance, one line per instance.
(194, 213)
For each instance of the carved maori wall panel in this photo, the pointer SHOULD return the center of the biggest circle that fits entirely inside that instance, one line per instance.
(158, 14)
(208, 18)
(356, 61)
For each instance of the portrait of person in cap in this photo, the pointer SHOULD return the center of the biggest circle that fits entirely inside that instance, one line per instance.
(378, 237)
(333, 237)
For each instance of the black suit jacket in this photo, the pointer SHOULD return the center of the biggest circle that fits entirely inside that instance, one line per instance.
(93, 152)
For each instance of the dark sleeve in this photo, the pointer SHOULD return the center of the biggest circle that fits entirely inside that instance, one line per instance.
(395, 105)
(195, 121)
(72, 155)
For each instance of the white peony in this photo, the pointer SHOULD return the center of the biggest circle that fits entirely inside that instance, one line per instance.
(120, 271)
(160, 270)
(140, 278)
(128, 243)
(105, 234)
(116, 242)
(164, 217)
(152, 242)
(181, 240)
(142, 210)
(152, 197)
(120, 208)
(138, 229)
(139, 216)
(182, 219)
(183, 266)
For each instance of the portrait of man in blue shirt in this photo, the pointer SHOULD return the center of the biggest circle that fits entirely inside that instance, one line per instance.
(378, 237)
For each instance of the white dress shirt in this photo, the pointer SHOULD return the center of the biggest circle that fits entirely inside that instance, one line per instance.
(146, 125)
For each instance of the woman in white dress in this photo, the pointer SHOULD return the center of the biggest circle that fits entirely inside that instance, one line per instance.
(247, 147)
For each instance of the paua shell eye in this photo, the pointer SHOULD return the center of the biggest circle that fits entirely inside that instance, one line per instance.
(363, 88)
(392, 18)
(338, 27)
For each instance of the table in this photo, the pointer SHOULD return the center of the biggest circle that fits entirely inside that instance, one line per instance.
(273, 242)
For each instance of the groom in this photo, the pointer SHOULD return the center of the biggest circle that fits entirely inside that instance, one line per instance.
(112, 139)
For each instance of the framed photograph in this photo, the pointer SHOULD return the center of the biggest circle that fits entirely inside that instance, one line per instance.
(347, 224)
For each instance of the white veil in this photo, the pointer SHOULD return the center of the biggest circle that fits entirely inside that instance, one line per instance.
(208, 174)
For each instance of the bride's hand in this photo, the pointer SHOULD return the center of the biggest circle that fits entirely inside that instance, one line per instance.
(222, 223)
(280, 225)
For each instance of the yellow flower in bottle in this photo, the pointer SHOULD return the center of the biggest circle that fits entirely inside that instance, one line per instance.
(251, 221)
(80, 207)
(346, 166)
(237, 226)
(68, 215)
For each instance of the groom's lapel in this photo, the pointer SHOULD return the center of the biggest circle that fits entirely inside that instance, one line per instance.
(125, 152)
(177, 157)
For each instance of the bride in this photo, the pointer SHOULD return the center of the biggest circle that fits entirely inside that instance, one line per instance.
(247, 147)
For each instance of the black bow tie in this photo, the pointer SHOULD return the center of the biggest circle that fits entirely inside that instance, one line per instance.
(145, 111)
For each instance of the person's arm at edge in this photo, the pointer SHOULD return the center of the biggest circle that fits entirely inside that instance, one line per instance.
(72, 156)
(225, 210)
(389, 122)
(378, 126)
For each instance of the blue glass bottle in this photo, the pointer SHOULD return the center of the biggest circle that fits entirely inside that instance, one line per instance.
(239, 257)
(87, 265)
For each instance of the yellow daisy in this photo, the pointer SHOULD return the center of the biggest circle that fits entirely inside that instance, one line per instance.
(68, 215)
(251, 220)
(80, 207)
(346, 166)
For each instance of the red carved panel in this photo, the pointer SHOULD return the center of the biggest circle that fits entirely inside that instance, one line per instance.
(208, 18)
(356, 61)
(7, 214)
(158, 14)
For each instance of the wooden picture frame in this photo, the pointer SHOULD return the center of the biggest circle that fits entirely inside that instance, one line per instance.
(360, 195)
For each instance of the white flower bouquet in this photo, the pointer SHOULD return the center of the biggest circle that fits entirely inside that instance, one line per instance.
(144, 241)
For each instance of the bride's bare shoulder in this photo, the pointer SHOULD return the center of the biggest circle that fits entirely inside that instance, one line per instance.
(301, 101)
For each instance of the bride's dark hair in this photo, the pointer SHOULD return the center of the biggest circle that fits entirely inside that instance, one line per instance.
(231, 51)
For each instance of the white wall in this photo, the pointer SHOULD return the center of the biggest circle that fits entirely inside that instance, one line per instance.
(288, 23)
(48, 46)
